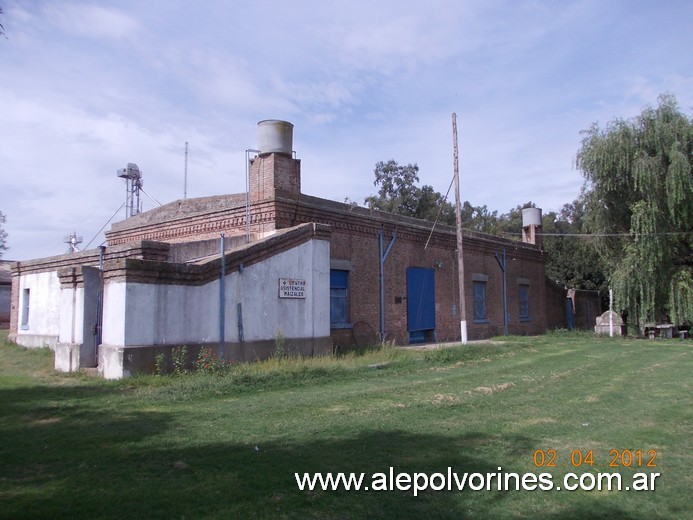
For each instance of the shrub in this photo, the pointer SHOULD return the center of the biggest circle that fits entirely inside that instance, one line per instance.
(180, 358)
(208, 362)
(279, 341)
(160, 364)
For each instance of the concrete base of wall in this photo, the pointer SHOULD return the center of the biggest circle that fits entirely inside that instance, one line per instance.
(117, 362)
(34, 340)
(67, 357)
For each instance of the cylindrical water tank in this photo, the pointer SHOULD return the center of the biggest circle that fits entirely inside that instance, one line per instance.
(275, 136)
(531, 217)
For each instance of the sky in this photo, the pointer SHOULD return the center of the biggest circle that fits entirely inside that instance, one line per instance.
(89, 86)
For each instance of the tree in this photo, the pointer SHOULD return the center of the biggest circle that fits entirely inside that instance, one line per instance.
(573, 260)
(3, 234)
(399, 193)
(510, 223)
(639, 194)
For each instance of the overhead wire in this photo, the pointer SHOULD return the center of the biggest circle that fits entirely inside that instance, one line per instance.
(440, 210)
(613, 234)
(148, 195)
(106, 224)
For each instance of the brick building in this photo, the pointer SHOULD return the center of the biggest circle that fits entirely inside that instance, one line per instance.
(5, 287)
(413, 262)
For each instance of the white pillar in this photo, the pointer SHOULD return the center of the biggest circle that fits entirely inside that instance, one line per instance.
(611, 313)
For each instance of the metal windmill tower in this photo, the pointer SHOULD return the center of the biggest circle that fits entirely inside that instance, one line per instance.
(133, 183)
(73, 242)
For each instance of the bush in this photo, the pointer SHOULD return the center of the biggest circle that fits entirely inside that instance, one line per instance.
(208, 362)
(180, 359)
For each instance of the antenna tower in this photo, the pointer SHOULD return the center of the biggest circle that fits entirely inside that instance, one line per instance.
(185, 179)
(73, 242)
(133, 183)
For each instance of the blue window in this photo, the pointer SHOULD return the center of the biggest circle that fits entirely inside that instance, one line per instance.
(480, 302)
(339, 298)
(523, 298)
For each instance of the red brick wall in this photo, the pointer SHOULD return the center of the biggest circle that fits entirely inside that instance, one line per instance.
(276, 203)
(555, 306)
(274, 173)
(361, 249)
(14, 307)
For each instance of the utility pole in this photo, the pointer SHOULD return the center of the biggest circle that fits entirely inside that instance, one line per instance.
(185, 175)
(458, 221)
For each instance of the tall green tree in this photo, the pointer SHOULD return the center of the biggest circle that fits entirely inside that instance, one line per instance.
(573, 260)
(399, 193)
(639, 188)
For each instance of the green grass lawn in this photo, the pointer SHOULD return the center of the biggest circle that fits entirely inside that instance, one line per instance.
(227, 446)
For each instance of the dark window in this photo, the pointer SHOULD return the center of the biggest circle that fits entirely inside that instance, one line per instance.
(480, 301)
(339, 298)
(524, 302)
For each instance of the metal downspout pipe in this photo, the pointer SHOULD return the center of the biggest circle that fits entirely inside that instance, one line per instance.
(382, 256)
(247, 193)
(503, 266)
(222, 300)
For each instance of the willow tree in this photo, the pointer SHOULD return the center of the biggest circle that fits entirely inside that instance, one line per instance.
(639, 181)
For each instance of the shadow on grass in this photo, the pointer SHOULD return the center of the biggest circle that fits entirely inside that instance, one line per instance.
(64, 456)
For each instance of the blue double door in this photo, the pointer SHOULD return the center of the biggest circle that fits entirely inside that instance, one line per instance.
(421, 304)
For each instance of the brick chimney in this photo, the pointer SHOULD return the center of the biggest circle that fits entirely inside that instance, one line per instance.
(274, 172)
(531, 226)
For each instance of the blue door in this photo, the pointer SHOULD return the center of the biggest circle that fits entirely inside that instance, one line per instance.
(421, 304)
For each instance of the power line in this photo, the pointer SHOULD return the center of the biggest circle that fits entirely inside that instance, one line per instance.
(515, 236)
(613, 234)
(440, 210)
(148, 195)
(106, 224)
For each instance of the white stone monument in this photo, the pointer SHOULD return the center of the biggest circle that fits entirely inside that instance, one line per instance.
(607, 322)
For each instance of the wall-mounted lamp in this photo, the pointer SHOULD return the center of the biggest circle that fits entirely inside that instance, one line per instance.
(438, 263)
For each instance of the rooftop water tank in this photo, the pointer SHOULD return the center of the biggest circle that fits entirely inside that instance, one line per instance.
(275, 136)
(531, 217)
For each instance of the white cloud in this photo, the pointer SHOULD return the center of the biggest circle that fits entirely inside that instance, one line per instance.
(93, 21)
(90, 86)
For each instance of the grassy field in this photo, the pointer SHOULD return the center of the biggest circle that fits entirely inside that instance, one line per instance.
(227, 446)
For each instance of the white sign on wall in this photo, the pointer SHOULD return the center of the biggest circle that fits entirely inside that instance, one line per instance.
(292, 288)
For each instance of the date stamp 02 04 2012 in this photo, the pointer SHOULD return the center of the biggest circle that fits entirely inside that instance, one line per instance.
(579, 458)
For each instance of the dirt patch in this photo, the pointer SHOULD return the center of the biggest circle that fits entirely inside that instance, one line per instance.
(451, 367)
(433, 346)
(488, 390)
(541, 420)
(445, 399)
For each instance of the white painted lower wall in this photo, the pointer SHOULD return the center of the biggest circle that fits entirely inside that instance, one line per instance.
(71, 315)
(143, 315)
(43, 326)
